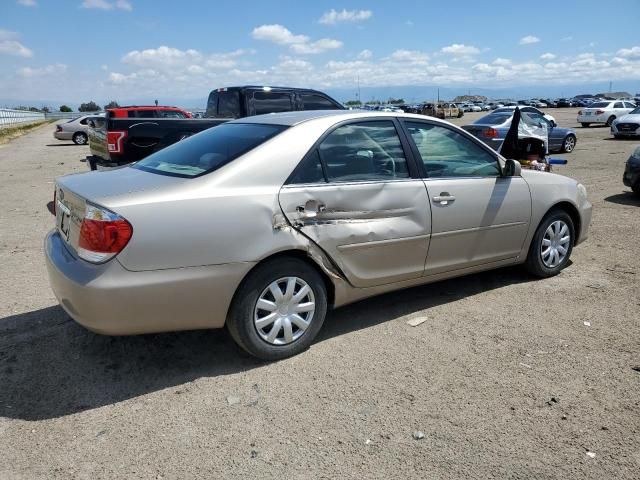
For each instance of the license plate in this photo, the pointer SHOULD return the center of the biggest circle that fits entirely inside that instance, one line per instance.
(63, 219)
(588, 114)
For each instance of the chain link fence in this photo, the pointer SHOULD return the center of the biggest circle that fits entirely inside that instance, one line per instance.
(9, 117)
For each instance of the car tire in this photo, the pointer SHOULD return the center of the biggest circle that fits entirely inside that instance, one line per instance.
(585, 125)
(617, 136)
(80, 138)
(636, 189)
(245, 314)
(610, 120)
(568, 144)
(541, 264)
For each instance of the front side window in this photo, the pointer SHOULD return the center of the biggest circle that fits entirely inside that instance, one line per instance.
(267, 102)
(364, 151)
(618, 105)
(228, 104)
(208, 150)
(447, 153)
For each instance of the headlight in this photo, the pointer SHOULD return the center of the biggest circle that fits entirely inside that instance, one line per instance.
(582, 190)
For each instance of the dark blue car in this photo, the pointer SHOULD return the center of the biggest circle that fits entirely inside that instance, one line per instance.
(492, 129)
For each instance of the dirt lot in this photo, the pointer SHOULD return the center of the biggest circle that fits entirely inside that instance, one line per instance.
(505, 378)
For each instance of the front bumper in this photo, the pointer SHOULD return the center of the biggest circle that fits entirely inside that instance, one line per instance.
(620, 131)
(111, 300)
(631, 176)
(586, 211)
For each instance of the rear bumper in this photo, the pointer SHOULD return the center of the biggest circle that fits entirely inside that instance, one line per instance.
(63, 135)
(111, 300)
(593, 118)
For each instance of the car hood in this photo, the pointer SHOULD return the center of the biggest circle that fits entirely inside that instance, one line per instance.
(629, 118)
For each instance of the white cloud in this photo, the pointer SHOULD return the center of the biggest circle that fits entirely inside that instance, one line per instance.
(460, 49)
(107, 4)
(502, 61)
(528, 40)
(410, 57)
(633, 52)
(364, 54)
(332, 16)
(28, 3)
(278, 34)
(9, 45)
(300, 44)
(54, 69)
(319, 46)
(547, 56)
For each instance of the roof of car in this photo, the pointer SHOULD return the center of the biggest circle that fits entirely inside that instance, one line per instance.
(294, 118)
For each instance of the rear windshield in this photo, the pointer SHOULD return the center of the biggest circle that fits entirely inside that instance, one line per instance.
(208, 150)
(600, 104)
(495, 118)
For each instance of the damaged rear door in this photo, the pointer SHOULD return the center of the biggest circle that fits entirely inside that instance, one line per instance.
(353, 194)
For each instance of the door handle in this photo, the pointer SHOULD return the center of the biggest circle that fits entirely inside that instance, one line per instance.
(444, 198)
(311, 209)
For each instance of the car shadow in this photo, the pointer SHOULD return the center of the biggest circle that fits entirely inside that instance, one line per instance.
(622, 139)
(63, 145)
(625, 198)
(52, 367)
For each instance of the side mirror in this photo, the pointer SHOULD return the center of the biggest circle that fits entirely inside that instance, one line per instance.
(512, 168)
(553, 124)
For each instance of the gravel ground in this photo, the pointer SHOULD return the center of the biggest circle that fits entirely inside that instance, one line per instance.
(508, 377)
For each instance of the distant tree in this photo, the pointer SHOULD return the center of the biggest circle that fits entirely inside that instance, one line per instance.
(45, 109)
(353, 103)
(89, 107)
(65, 108)
(111, 104)
(396, 101)
(34, 109)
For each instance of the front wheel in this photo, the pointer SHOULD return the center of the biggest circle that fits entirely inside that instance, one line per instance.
(79, 138)
(610, 120)
(569, 144)
(279, 309)
(552, 245)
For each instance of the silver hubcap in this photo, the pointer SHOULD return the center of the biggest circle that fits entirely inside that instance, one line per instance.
(569, 143)
(284, 311)
(80, 139)
(555, 244)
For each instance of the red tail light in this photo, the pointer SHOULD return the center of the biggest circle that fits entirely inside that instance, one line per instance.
(599, 112)
(115, 141)
(103, 235)
(58, 128)
(490, 133)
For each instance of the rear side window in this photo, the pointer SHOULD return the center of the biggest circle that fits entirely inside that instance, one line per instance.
(141, 114)
(228, 105)
(212, 105)
(208, 150)
(308, 171)
(312, 101)
(618, 105)
(267, 102)
(365, 151)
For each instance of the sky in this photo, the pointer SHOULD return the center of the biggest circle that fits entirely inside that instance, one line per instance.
(79, 50)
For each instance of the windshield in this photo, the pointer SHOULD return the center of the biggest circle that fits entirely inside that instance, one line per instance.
(495, 118)
(209, 150)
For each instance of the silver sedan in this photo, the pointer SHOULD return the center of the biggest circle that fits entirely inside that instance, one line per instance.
(74, 130)
(263, 224)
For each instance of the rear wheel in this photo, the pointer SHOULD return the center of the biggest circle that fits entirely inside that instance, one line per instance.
(585, 125)
(636, 189)
(551, 245)
(569, 144)
(279, 309)
(610, 120)
(79, 138)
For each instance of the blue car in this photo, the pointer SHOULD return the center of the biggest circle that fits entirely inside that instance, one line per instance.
(493, 128)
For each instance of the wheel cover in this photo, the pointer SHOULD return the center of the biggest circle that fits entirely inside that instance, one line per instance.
(80, 138)
(284, 311)
(569, 143)
(555, 244)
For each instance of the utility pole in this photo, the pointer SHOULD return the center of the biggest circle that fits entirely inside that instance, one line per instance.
(610, 84)
(359, 88)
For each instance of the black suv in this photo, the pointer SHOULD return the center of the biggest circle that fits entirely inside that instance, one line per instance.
(238, 102)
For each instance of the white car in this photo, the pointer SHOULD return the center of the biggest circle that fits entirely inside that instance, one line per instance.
(604, 112)
(74, 130)
(627, 125)
(528, 109)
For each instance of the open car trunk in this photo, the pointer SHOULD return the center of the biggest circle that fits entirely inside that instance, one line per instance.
(527, 141)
